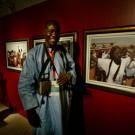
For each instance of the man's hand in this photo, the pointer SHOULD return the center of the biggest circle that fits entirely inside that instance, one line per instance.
(64, 78)
(33, 118)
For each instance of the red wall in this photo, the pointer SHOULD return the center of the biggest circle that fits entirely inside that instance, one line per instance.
(103, 112)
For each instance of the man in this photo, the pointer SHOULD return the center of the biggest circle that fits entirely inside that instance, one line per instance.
(114, 67)
(47, 71)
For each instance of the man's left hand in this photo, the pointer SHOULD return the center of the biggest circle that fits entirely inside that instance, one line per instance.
(64, 78)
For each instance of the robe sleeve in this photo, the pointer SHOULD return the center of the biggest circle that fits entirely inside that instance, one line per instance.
(26, 85)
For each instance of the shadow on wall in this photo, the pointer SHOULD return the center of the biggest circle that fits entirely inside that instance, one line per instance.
(76, 123)
(3, 93)
(4, 114)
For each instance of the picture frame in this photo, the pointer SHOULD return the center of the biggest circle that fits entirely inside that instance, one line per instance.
(38, 40)
(68, 40)
(103, 67)
(16, 52)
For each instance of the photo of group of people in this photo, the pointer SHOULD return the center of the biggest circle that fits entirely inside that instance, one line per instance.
(16, 54)
(106, 61)
(111, 59)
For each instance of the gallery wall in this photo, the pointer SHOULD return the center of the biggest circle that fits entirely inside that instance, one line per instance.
(98, 110)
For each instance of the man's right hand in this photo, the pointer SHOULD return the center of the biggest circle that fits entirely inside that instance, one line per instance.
(33, 118)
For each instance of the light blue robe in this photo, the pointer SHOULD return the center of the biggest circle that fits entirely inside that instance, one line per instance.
(52, 113)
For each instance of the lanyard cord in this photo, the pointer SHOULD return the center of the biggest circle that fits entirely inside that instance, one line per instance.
(116, 73)
(51, 59)
(51, 54)
(44, 64)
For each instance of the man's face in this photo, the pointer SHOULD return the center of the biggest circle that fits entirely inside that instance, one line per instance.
(117, 55)
(51, 35)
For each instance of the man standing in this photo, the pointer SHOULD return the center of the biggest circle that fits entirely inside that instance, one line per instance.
(47, 72)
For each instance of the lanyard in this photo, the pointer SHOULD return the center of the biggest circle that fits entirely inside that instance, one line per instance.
(52, 54)
(116, 73)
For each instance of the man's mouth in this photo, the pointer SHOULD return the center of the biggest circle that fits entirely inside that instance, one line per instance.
(53, 39)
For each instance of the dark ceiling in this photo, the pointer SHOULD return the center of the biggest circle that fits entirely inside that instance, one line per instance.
(11, 6)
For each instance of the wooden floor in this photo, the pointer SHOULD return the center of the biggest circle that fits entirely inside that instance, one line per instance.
(12, 123)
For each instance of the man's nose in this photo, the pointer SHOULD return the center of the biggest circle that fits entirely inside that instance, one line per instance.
(54, 33)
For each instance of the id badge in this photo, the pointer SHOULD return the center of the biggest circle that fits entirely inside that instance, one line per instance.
(54, 84)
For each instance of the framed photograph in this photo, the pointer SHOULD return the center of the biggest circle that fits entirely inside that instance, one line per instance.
(38, 41)
(16, 52)
(66, 39)
(109, 58)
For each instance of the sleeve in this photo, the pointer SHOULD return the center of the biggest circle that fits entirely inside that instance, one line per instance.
(70, 68)
(103, 64)
(26, 85)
